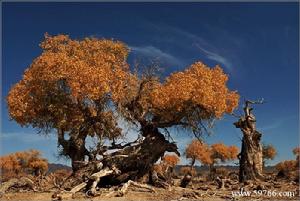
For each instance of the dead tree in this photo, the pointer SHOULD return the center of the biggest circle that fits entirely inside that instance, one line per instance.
(251, 156)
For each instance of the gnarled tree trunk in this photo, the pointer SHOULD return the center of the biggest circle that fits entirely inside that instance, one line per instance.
(74, 148)
(132, 162)
(251, 161)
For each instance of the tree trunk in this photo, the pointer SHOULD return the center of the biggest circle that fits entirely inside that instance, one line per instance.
(192, 163)
(251, 163)
(73, 148)
(77, 152)
(132, 162)
(212, 171)
(251, 160)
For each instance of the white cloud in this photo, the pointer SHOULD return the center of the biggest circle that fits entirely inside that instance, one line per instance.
(216, 57)
(185, 38)
(156, 53)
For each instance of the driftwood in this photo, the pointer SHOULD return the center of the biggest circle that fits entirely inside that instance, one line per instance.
(159, 181)
(22, 182)
(125, 187)
(91, 183)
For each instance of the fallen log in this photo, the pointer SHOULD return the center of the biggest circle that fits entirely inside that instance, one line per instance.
(22, 182)
(125, 187)
(91, 183)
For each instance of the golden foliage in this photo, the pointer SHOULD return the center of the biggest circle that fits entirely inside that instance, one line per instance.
(67, 83)
(197, 150)
(170, 160)
(10, 163)
(211, 154)
(70, 84)
(197, 86)
(86, 66)
(220, 151)
(269, 152)
(26, 162)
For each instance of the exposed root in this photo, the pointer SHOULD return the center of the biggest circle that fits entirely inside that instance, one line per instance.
(78, 187)
(94, 178)
(158, 182)
(22, 182)
(125, 187)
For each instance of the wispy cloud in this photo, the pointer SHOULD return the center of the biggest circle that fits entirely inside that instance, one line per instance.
(156, 53)
(216, 57)
(188, 40)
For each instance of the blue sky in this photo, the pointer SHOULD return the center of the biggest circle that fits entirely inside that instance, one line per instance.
(257, 44)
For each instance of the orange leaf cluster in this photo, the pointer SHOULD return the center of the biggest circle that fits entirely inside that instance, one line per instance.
(269, 152)
(222, 152)
(72, 82)
(26, 162)
(68, 71)
(198, 85)
(197, 150)
(170, 160)
(211, 154)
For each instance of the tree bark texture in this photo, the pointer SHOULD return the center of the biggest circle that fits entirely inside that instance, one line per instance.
(250, 158)
(132, 162)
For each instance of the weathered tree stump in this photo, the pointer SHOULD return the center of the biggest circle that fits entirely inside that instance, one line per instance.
(251, 160)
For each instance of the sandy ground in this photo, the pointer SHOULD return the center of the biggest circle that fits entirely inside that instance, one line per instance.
(176, 194)
(198, 190)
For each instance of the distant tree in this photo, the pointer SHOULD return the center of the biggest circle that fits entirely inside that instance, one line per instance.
(287, 167)
(10, 165)
(199, 151)
(187, 170)
(170, 160)
(210, 155)
(26, 162)
(220, 152)
(269, 153)
(296, 152)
